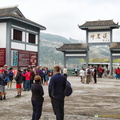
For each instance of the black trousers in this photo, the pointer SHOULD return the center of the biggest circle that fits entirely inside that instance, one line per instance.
(37, 109)
(95, 79)
(58, 108)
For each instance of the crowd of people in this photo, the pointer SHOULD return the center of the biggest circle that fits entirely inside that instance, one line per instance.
(33, 79)
(90, 73)
(23, 77)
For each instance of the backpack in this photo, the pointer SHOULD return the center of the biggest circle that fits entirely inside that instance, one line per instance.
(68, 89)
(88, 71)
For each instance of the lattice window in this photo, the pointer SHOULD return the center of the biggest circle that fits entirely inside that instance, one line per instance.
(17, 35)
(31, 38)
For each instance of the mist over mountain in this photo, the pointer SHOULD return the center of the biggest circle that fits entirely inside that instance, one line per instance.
(49, 56)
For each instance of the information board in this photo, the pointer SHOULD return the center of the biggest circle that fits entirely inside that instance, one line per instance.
(22, 58)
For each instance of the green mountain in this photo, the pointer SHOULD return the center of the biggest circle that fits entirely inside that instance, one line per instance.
(49, 56)
(48, 53)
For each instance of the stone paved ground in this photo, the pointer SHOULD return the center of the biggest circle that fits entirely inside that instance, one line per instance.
(86, 101)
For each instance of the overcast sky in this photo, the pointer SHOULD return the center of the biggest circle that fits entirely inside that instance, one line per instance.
(61, 17)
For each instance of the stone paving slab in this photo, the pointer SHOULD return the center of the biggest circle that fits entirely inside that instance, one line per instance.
(87, 100)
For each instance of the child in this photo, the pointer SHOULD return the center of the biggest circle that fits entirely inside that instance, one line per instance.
(18, 79)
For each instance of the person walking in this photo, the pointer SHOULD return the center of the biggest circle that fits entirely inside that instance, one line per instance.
(37, 98)
(56, 90)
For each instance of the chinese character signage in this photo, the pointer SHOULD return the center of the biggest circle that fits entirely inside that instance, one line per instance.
(98, 37)
(23, 58)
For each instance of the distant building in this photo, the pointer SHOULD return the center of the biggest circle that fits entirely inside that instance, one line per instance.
(19, 39)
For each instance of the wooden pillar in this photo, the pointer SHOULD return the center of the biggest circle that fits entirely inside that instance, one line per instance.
(64, 60)
(111, 65)
(87, 59)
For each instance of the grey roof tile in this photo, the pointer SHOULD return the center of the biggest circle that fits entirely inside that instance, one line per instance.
(115, 45)
(15, 13)
(99, 23)
(71, 46)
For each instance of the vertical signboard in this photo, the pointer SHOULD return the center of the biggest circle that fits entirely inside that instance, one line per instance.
(33, 58)
(23, 58)
(14, 58)
(2, 56)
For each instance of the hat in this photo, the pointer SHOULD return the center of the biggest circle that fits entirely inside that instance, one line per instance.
(5, 65)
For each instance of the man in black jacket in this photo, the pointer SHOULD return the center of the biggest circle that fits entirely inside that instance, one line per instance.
(56, 90)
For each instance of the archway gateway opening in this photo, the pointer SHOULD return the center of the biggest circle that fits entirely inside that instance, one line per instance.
(97, 33)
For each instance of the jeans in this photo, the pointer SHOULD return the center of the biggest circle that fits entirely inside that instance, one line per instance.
(37, 109)
(58, 108)
(27, 85)
(24, 85)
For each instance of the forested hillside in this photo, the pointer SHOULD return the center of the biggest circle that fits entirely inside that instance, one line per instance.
(50, 56)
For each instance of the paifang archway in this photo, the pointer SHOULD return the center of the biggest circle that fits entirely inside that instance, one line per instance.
(74, 50)
(97, 33)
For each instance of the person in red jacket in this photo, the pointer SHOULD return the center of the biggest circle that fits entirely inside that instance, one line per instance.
(118, 72)
(100, 72)
(27, 76)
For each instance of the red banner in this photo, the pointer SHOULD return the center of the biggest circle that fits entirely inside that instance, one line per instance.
(2, 57)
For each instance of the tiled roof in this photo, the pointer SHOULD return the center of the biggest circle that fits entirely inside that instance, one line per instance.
(115, 45)
(15, 13)
(99, 23)
(72, 46)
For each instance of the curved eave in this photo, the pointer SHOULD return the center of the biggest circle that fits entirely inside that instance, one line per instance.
(99, 27)
(24, 21)
(115, 49)
(71, 50)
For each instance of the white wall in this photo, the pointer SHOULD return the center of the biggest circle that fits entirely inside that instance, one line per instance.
(3, 35)
(19, 46)
(32, 48)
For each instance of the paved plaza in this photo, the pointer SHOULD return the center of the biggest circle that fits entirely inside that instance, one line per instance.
(101, 99)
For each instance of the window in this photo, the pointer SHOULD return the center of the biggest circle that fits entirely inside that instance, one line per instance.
(17, 35)
(31, 38)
